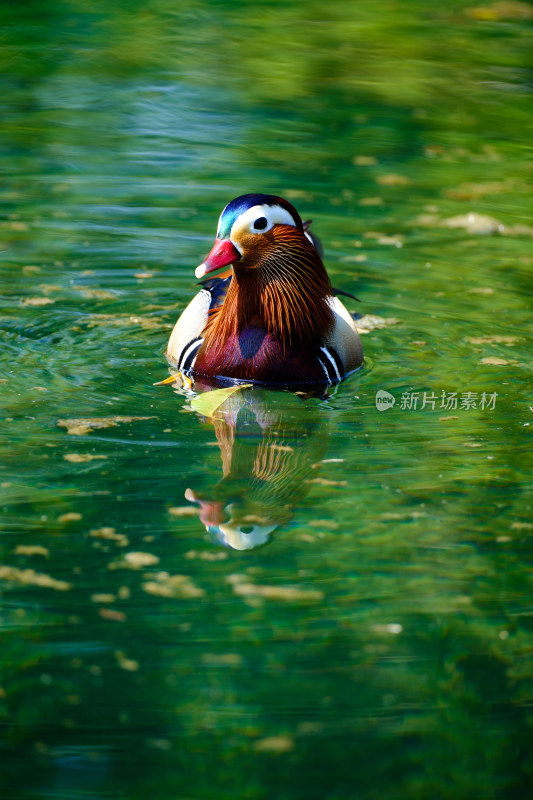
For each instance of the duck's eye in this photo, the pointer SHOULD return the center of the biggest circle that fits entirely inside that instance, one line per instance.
(260, 224)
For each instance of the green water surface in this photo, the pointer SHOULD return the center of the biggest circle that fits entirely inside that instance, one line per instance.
(377, 641)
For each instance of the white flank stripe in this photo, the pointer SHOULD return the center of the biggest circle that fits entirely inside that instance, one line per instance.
(325, 371)
(326, 351)
(193, 362)
(188, 351)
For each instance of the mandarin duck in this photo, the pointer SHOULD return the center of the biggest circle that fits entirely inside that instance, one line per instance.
(271, 317)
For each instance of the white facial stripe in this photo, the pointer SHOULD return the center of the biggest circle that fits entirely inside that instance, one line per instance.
(274, 215)
(220, 221)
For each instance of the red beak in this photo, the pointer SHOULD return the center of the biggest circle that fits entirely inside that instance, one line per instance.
(222, 254)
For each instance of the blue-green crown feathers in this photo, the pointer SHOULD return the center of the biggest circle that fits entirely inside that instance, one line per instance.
(246, 201)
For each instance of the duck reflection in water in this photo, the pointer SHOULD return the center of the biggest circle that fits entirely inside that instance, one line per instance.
(270, 444)
(271, 318)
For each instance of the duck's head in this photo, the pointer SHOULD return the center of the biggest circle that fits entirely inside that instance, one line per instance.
(250, 230)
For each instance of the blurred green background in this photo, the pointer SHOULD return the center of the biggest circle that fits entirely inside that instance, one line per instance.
(379, 643)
